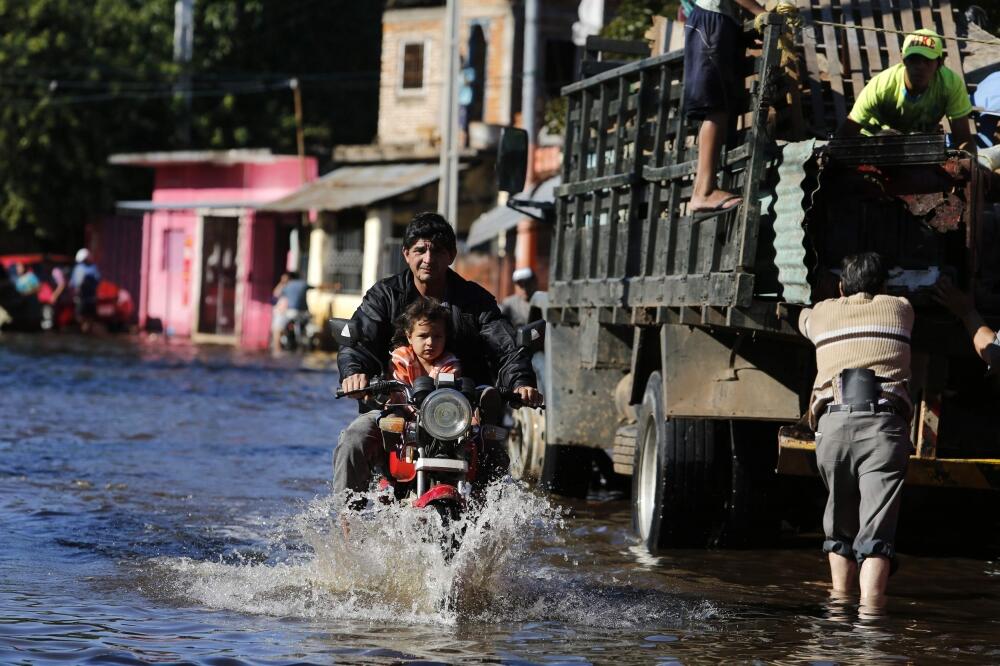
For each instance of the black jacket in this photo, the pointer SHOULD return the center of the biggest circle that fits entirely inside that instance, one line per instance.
(481, 338)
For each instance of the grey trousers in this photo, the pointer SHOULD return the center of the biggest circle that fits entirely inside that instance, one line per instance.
(359, 453)
(862, 457)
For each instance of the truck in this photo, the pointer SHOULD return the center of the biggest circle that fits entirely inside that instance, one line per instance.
(671, 348)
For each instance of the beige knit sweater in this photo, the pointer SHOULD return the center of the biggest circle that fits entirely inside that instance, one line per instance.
(860, 331)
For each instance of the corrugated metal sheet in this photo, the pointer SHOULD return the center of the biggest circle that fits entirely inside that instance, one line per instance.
(790, 209)
(352, 186)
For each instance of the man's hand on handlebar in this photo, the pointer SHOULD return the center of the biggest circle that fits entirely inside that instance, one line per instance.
(353, 383)
(529, 396)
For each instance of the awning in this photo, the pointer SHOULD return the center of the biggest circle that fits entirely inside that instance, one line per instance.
(148, 206)
(492, 223)
(352, 186)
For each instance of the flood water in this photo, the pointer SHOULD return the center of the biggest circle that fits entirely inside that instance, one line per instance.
(166, 503)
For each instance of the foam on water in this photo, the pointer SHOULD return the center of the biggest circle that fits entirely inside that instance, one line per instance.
(511, 565)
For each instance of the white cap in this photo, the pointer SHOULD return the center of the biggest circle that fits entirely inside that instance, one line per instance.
(82, 255)
(522, 275)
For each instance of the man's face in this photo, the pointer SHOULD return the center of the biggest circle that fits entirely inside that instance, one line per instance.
(920, 71)
(428, 262)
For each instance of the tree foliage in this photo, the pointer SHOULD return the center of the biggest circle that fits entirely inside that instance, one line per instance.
(635, 17)
(82, 80)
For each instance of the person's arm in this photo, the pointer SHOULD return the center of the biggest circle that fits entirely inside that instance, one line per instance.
(960, 304)
(513, 362)
(803, 323)
(750, 6)
(373, 324)
(961, 134)
(849, 129)
(276, 292)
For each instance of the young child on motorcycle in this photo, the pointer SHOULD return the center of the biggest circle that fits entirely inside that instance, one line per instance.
(421, 335)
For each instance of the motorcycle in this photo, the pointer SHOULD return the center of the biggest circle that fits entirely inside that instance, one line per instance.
(299, 333)
(434, 434)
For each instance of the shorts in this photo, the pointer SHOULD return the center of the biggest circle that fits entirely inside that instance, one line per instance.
(712, 64)
(862, 458)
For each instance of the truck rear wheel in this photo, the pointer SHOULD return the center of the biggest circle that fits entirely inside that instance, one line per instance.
(679, 483)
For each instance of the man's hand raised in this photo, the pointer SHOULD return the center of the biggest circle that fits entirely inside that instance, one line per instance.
(353, 383)
(530, 396)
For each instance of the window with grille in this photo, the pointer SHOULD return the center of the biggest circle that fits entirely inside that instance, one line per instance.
(346, 254)
(413, 66)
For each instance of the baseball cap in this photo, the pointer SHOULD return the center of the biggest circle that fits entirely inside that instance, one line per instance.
(82, 255)
(522, 274)
(923, 42)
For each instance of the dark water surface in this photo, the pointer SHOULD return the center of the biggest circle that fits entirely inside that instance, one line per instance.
(171, 503)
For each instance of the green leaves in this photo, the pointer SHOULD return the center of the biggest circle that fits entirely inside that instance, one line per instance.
(80, 80)
(635, 17)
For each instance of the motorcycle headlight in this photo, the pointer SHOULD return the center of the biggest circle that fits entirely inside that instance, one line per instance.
(446, 414)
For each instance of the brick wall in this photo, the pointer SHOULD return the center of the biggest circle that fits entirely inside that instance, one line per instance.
(407, 116)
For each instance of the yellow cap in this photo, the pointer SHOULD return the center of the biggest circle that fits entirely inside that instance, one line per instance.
(923, 42)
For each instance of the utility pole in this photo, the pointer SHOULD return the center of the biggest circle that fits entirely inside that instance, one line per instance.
(300, 254)
(528, 82)
(300, 142)
(183, 52)
(448, 184)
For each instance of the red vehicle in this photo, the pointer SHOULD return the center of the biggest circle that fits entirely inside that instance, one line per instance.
(435, 443)
(53, 307)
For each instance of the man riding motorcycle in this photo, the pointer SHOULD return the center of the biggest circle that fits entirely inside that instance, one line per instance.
(482, 339)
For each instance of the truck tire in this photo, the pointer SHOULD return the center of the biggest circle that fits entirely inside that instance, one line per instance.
(526, 441)
(752, 515)
(679, 483)
(526, 444)
(567, 470)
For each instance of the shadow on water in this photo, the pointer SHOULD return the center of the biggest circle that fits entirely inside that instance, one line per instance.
(171, 503)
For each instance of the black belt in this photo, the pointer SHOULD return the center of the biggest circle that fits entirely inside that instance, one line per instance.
(875, 408)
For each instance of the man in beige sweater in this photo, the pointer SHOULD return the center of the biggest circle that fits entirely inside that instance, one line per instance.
(860, 408)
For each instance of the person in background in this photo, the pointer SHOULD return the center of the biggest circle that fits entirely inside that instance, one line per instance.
(914, 95)
(83, 281)
(860, 409)
(985, 340)
(27, 283)
(713, 88)
(291, 303)
(517, 307)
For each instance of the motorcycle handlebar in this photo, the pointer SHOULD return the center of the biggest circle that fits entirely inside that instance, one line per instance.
(377, 386)
(514, 400)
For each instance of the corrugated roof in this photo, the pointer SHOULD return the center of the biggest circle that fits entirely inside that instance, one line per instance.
(487, 226)
(185, 205)
(353, 186)
(225, 157)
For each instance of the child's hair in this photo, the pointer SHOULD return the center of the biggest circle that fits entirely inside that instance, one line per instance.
(422, 309)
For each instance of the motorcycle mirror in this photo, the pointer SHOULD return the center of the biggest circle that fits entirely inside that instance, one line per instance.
(343, 331)
(512, 160)
(531, 336)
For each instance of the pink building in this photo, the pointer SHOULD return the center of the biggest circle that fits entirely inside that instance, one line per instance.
(210, 258)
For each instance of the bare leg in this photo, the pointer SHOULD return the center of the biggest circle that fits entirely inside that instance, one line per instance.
(874, 579)
(706, 194)
(843, 574)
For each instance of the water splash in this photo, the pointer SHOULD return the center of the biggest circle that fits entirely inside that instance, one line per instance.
(389, 563)
(512, 564)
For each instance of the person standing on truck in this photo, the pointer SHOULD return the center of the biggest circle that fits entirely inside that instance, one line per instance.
(914, 95)
(713, 88)
(860, 409)
(482, 340)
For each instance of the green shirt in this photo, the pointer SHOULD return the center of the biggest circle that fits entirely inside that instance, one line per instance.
(884, 103)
